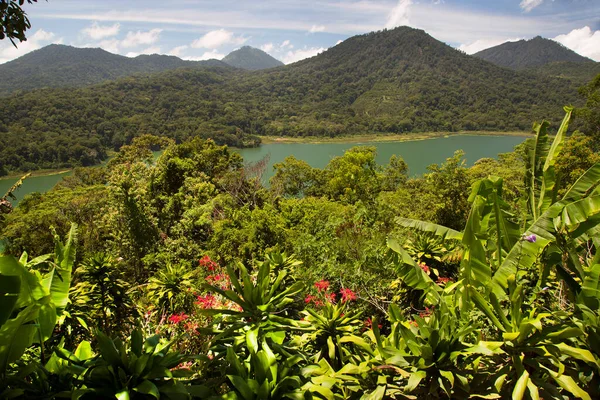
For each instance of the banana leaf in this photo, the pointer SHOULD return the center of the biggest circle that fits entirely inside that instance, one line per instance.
(422, 226)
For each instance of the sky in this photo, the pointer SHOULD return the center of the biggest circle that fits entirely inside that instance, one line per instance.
(291, 30)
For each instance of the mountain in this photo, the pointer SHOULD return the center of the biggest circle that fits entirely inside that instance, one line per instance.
(530, 53)
(58, 65)
(392, 81)
(251, 59)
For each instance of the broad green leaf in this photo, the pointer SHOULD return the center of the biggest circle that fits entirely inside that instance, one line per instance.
(16, 335)
(423, 226)
(149, 388)
(582, 187)
(567, 383)
(241, 386)
(548, 190)
(10, 287)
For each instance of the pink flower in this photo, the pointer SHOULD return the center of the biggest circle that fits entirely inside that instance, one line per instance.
(322, 285)
(347, 295)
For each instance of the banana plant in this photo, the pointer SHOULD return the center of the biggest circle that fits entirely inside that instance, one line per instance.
(539, 353)
(31, 301)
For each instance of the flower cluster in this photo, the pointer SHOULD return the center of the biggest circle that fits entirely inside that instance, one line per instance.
(207, 301)
(324, 295)
(444, 281)
(207, 263)
(424, 267)
(322, 285)
(177, 318)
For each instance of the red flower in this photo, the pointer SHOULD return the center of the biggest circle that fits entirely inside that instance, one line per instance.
(424, 267)
(207, 301)
(177, 318)
(330, 297)
(347, 295)
(207, 263)
(309, 298)
(369, 323)
(444, 280)
(322, 285)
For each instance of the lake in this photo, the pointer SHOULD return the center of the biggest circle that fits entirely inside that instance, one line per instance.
(417, 154)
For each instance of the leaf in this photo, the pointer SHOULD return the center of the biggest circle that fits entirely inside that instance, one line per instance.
(108, 351)
(438, 230)
(567, 383)
(147, 387)
(548, 190)
(377, 394)
(252, 340)
(84, 351)
(414, 380)
(10, 287)
(16, 335)
(580, 354)
(520, 386)
(582, 187)
(241, 386)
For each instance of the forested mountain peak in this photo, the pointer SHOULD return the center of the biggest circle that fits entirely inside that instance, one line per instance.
(251, 58)
(58, 65)
(535, 52)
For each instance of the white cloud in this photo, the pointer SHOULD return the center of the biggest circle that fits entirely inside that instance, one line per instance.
(399, 14)
(96, 31)
(286, 45)
(301, 54)
(528, 5)
(582, 41)
(206, 56)
(177, 51)
(316, 28)
(138, 38)
(216, 39)
(39, 39)
(482, 44)
(267, 47)
(110, 45)
(338, 42)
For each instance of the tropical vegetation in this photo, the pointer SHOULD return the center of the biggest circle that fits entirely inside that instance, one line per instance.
(186, 277)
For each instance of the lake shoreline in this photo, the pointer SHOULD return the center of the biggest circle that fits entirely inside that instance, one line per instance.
(378, 138)
(44, 172)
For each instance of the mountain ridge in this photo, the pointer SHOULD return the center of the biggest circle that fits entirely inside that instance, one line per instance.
(530, 53)
(58, 65)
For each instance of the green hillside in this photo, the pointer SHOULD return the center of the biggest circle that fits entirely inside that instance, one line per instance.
(396, 81)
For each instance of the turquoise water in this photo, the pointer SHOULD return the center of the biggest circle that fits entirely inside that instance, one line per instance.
(417, 154)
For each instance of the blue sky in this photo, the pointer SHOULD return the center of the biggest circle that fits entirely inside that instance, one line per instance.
(291, 30)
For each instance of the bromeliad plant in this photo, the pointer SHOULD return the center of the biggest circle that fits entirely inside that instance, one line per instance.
(251, 341)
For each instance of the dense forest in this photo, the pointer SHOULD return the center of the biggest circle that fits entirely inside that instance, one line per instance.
(186, 278)
(395, 81)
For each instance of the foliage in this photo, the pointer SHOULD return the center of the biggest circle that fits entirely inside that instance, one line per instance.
(13, 20)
